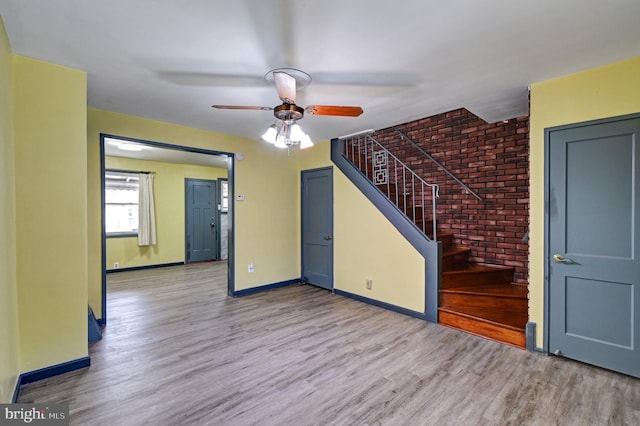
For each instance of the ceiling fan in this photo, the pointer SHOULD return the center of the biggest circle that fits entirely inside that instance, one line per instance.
(285, 132)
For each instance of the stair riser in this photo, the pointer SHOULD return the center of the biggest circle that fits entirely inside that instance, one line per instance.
(465, 279)
(480, 328)
(484, 301)
(451, 263)
(446, 239)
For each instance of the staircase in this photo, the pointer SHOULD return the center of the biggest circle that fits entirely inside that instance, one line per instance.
(476, 298)
(481, 299)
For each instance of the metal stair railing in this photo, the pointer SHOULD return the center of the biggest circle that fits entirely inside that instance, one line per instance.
(408, 191)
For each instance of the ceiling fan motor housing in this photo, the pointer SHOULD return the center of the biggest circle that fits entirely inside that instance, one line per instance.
(288, 112)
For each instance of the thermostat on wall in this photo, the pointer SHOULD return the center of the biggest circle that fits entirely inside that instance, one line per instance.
(240, 197)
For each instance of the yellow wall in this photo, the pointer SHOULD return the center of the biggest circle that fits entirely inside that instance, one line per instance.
(396, 269)
(9, 341)
(170, 210)
(369, 247)
(602, 92)
(266, 232)
(51, 212)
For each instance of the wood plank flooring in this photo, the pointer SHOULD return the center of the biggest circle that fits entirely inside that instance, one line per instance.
(178, 351)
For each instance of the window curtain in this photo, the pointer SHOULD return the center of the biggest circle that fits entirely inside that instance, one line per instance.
(146, 211)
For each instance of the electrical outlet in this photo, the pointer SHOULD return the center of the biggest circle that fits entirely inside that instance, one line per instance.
(250, 268)
(369, 284)
(116, 265)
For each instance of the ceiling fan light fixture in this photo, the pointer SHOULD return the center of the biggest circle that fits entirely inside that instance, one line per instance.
(306, 142)
(297, 134)
(287, 133)
(270, 134)
(283, 139)
(281, 142)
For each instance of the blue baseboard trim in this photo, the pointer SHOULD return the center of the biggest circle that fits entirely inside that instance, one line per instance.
(43, 373)
(262, 288)
(137, 268)
(380, 304)
(16, 392)
(530, 330)
(530, 336)
(54, 370)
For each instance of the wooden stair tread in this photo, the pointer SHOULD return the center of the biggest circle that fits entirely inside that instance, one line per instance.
(495, 290)
(495, 317)
(454, 250)
(443, 237)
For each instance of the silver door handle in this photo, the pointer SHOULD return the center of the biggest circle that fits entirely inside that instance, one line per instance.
(328, 237)
(558, 258)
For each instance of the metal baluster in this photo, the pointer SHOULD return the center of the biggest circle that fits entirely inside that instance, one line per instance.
(424, 222)
(433, 203)
(370, 166)
(395, 179)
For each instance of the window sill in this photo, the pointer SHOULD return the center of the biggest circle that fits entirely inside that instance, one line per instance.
(121, 234)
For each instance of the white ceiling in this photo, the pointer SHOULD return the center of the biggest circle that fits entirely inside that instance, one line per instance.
(171, 60)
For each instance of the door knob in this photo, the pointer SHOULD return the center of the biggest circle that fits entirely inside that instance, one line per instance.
(328, 237)
(558, 258)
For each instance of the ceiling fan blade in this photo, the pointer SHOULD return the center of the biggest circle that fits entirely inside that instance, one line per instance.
(344, 111)
(286, 86)
(250, 107)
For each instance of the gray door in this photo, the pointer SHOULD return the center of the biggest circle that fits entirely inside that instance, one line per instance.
(317, 227)
(593, 243)
(201, 213)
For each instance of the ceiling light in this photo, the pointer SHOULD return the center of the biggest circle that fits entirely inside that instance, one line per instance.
(130, 147)
(306, 142)
(297, 133)
(287, 133)
(270, 135)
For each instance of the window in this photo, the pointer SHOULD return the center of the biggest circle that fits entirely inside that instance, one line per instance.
(224, 195)
(121, 203)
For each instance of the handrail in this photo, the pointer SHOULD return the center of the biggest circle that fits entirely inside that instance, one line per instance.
(443, 168)
(393, 174)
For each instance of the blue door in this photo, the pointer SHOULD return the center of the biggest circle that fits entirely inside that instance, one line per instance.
(201, 217)
(317, 227)
(594, 243)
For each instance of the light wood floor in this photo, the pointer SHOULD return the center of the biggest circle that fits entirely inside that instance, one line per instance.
(178, 351)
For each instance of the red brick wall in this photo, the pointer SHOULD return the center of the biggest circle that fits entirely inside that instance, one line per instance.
(490, 158)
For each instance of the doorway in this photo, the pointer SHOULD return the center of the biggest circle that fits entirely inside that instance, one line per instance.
(201, 220)
(164, 154)
(592, 242)
(317, 227)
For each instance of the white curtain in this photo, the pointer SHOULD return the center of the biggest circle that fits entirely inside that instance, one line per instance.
(146, 211)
